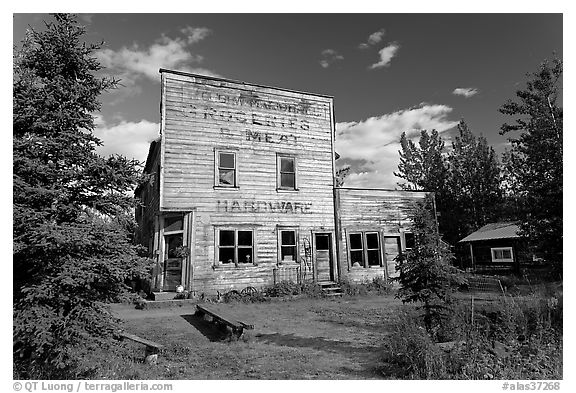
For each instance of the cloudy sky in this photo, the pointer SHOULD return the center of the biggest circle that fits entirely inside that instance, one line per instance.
(388, 73)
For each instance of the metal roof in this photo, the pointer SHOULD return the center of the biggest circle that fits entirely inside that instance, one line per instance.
(497, 230)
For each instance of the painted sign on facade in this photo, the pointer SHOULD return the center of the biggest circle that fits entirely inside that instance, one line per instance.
(255, 206)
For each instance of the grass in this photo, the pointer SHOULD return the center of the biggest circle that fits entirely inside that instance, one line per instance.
(298, 339)
(354, 337)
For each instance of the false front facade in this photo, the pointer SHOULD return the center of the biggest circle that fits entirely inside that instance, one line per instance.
(241, 191)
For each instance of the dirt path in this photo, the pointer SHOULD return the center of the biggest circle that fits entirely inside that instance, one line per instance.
(298, 339)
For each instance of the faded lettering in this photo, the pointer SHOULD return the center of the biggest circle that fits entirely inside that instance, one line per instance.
(304, 107)
(255, 206)
(255, 136)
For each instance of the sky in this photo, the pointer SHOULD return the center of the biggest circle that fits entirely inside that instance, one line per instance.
(388, 73)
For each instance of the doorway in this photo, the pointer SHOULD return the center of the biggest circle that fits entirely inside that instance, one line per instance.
(323, 257)
(391, 251)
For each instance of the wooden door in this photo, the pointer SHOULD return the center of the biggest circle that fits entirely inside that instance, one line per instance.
(391, 251)
(323, 257)
(172, 261)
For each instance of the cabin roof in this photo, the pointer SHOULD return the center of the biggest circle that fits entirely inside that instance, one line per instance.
(496, 230)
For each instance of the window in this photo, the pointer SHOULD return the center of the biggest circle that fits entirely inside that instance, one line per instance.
(409, 240)
(373, 249)
(235, 246)
(288, 248)
(226, 169)
(365, 249)
(286, 173)
(356, 249)
(502, 254)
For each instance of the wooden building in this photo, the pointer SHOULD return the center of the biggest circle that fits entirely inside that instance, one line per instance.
(498, 248)
(373, 228)
(241, 192)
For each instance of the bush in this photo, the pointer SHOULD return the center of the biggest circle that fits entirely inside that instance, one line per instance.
(412, 353)
(312, 290)
(512, 339)
(377, 285)
(283, 288)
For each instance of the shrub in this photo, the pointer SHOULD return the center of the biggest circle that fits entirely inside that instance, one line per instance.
(379, 285)
(312, 290)
(283, 288)
(412, 353)
(512, 339)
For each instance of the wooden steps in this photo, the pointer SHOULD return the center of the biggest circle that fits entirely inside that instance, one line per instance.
(330, 288)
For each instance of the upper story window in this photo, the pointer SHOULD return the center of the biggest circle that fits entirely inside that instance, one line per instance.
(286, 172)
(226, 169)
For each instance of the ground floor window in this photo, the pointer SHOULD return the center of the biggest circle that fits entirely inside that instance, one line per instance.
(409, 240)
(502, 254)
(364, 249)
(235, 246)
(288, 247)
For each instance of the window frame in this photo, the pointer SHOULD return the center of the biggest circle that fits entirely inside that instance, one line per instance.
(406, 240)
(236, 247)
(281, 245)
(279, 158)
(379, 249)
(350, 249)
(217, 168)
(493, 250)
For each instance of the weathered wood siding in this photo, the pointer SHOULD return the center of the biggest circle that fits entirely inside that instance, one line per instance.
(149, 195)
(203, 115)
(363, 210)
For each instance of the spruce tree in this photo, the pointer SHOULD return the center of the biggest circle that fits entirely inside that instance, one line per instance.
(72, 232)
(534, 164)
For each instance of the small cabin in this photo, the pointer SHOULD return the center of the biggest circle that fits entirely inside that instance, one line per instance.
(498, 248)
(241, 192)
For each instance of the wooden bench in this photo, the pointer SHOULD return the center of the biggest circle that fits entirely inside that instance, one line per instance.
(222, 318)
(152, 348)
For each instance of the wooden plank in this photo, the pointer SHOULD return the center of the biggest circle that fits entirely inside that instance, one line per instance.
(220, 316)
(141, 340)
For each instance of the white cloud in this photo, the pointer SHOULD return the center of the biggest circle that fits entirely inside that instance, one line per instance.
(373, 39)
(329, 57)
(130, 139)
(386, 55)
(131, 63)
(195, 34)
(465, 91)
(375, 142)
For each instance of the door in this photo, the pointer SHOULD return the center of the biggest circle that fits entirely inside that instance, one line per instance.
(173, 261)
(323, 257)
(391, 251)
(174, 252)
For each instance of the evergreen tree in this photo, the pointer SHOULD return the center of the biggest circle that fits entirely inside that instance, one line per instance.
(426, 275)
(72, 235)
(534, 163)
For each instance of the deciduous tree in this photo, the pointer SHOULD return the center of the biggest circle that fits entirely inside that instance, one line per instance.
(465, 179)
(474, 183)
